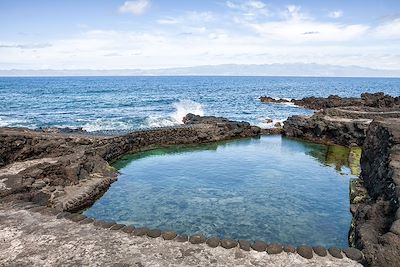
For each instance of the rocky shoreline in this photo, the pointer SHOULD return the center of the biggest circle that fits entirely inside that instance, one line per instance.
(373, 100)
(344, 125)
(373, 123)
(67, 170)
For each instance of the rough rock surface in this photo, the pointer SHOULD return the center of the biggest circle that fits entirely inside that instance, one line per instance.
(33, 239)
(380, 174)
(343, 125)
(376, 100)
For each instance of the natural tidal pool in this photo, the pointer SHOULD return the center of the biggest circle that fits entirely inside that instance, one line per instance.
(270, 188)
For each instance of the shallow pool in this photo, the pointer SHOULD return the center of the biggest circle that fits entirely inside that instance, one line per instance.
(271, 188)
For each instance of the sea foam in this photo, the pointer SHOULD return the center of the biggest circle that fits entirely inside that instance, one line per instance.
(182, 108)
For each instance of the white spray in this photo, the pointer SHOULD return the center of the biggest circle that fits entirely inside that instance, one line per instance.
(182, 108)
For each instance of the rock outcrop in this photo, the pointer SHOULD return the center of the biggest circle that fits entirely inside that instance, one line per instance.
(375, 100)
(68, 169)
(343, 125)
(322, 128)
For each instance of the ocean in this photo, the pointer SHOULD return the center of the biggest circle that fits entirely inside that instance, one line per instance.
(128, 103)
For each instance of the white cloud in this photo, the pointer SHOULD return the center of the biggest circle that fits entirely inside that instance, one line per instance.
(388, 30)
(249, 8)
(25, 46)
(297, 27)
(293, 12)
(190, 17)
(336, 14)
(288, 36)
(298, 31)
(137, 7)
(246, 4)
(168, 21)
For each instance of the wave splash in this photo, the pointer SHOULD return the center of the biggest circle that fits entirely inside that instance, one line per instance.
(182, 108)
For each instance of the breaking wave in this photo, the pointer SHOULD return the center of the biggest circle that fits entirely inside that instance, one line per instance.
(182, 108)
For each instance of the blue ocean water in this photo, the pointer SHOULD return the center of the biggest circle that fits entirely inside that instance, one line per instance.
(126, 103)
(269, 188)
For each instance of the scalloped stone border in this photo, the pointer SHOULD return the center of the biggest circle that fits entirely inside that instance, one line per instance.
(213, 242)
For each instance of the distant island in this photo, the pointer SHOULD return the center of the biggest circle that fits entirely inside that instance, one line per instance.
(295, 69)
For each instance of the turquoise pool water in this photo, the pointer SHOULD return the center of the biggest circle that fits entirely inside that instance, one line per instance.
(271, 188)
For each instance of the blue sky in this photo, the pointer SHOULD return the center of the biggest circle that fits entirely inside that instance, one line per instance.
(113, 34)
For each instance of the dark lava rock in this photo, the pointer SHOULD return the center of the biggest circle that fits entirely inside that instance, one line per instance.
(245, 245)
(141, 231)
(77, 218)
(168, 235)
(228, 243)
(395, 228)
(49, 211)
(25, 205)
(37, 209)
(104, 224)
(268, 99)
(197, 239)
(86, 221)
(116, 227)
(274, 249)
(128, 229)
(320, 251)
(70, 215)
(354, 254)
(335, 252)
(182, 238)
(154, 233)
(305, 252)
(289, 249)
(63, 214)
(41, 198)
(259, 246)
(213, 242)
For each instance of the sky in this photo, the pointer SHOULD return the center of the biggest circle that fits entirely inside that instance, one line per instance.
(147, 34)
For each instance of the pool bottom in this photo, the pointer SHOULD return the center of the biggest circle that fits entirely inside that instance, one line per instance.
(273, 189)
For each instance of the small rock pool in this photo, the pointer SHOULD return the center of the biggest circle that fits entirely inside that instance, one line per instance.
(270, 188)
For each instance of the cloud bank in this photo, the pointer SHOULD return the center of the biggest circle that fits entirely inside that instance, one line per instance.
(242, 31)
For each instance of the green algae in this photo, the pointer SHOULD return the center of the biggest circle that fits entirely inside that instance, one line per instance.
(354, 160)
(340, 157)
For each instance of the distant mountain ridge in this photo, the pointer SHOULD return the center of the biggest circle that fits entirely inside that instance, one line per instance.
(295, 69)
